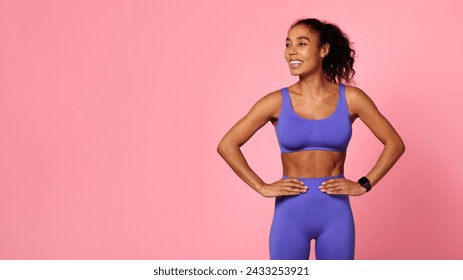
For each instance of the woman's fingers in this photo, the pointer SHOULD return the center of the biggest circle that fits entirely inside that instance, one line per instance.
(341, 186)
(293, 189)
(331, 186)
(293, 186)
(335, 186)
(293, 182)
(287, 186)
(333, 182)
(290, 185)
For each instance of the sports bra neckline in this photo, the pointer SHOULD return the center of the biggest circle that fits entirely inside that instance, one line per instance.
(314, 120)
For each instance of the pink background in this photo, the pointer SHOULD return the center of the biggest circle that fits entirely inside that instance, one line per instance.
(111, 111)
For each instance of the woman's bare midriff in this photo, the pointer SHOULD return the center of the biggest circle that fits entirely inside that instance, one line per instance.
(313, 164)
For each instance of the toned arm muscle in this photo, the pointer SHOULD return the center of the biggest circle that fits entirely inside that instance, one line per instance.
(364, 108)
(229, 147)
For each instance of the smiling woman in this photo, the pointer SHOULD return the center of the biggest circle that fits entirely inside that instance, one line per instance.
(313, 123)
(339, 63)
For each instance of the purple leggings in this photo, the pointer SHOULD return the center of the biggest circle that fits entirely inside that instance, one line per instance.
(312, 215)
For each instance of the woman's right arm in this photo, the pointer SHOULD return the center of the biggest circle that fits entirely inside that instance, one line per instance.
(229, 148)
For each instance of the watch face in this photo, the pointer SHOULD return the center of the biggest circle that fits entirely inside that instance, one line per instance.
(363, 181)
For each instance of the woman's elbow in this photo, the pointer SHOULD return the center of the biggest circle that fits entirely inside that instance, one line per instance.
(220, 147)
(402, 147)
(399, 146)
(395, 145)
(223, 146)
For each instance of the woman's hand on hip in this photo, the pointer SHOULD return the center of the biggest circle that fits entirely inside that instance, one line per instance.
(342, 186)
(287, 186)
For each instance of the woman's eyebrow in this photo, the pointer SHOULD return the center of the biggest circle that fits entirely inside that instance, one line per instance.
(300, 37)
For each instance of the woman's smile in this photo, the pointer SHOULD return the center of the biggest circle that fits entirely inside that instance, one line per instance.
(295, 63)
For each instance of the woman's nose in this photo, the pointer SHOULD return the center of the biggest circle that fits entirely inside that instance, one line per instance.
(292, 50)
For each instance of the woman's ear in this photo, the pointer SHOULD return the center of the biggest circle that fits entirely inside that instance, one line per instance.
(325, 49)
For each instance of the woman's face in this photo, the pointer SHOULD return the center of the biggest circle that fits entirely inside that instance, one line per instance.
(302, 53)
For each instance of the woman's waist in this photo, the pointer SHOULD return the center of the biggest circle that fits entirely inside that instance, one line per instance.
(308, 171)
(313, 164)
(314, 177)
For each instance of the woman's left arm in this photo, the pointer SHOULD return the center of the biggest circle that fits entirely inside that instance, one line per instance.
(362, 106)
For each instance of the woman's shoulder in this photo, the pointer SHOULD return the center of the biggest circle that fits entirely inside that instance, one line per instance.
(357, 99)
(270, 103)
(273, 97)
(354, 92)
(355, 95)
(275, 94)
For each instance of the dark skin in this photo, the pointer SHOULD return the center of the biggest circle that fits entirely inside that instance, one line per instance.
(312, 97)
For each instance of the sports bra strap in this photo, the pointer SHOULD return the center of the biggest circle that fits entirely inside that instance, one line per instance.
(285, 101)
(342, 96)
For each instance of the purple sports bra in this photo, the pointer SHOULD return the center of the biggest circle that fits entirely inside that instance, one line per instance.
(295, 133)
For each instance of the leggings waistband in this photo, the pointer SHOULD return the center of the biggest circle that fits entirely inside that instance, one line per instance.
(314, 178)
(314, 182)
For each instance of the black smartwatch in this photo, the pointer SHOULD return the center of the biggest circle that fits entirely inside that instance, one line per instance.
(364, 182)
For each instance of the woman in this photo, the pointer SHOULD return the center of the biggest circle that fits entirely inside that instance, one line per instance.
(313, 124)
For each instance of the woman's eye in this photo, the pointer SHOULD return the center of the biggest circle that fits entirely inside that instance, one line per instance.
(287, 45)
(302, 44)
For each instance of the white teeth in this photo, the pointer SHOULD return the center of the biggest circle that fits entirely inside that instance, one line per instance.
(295, 61)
